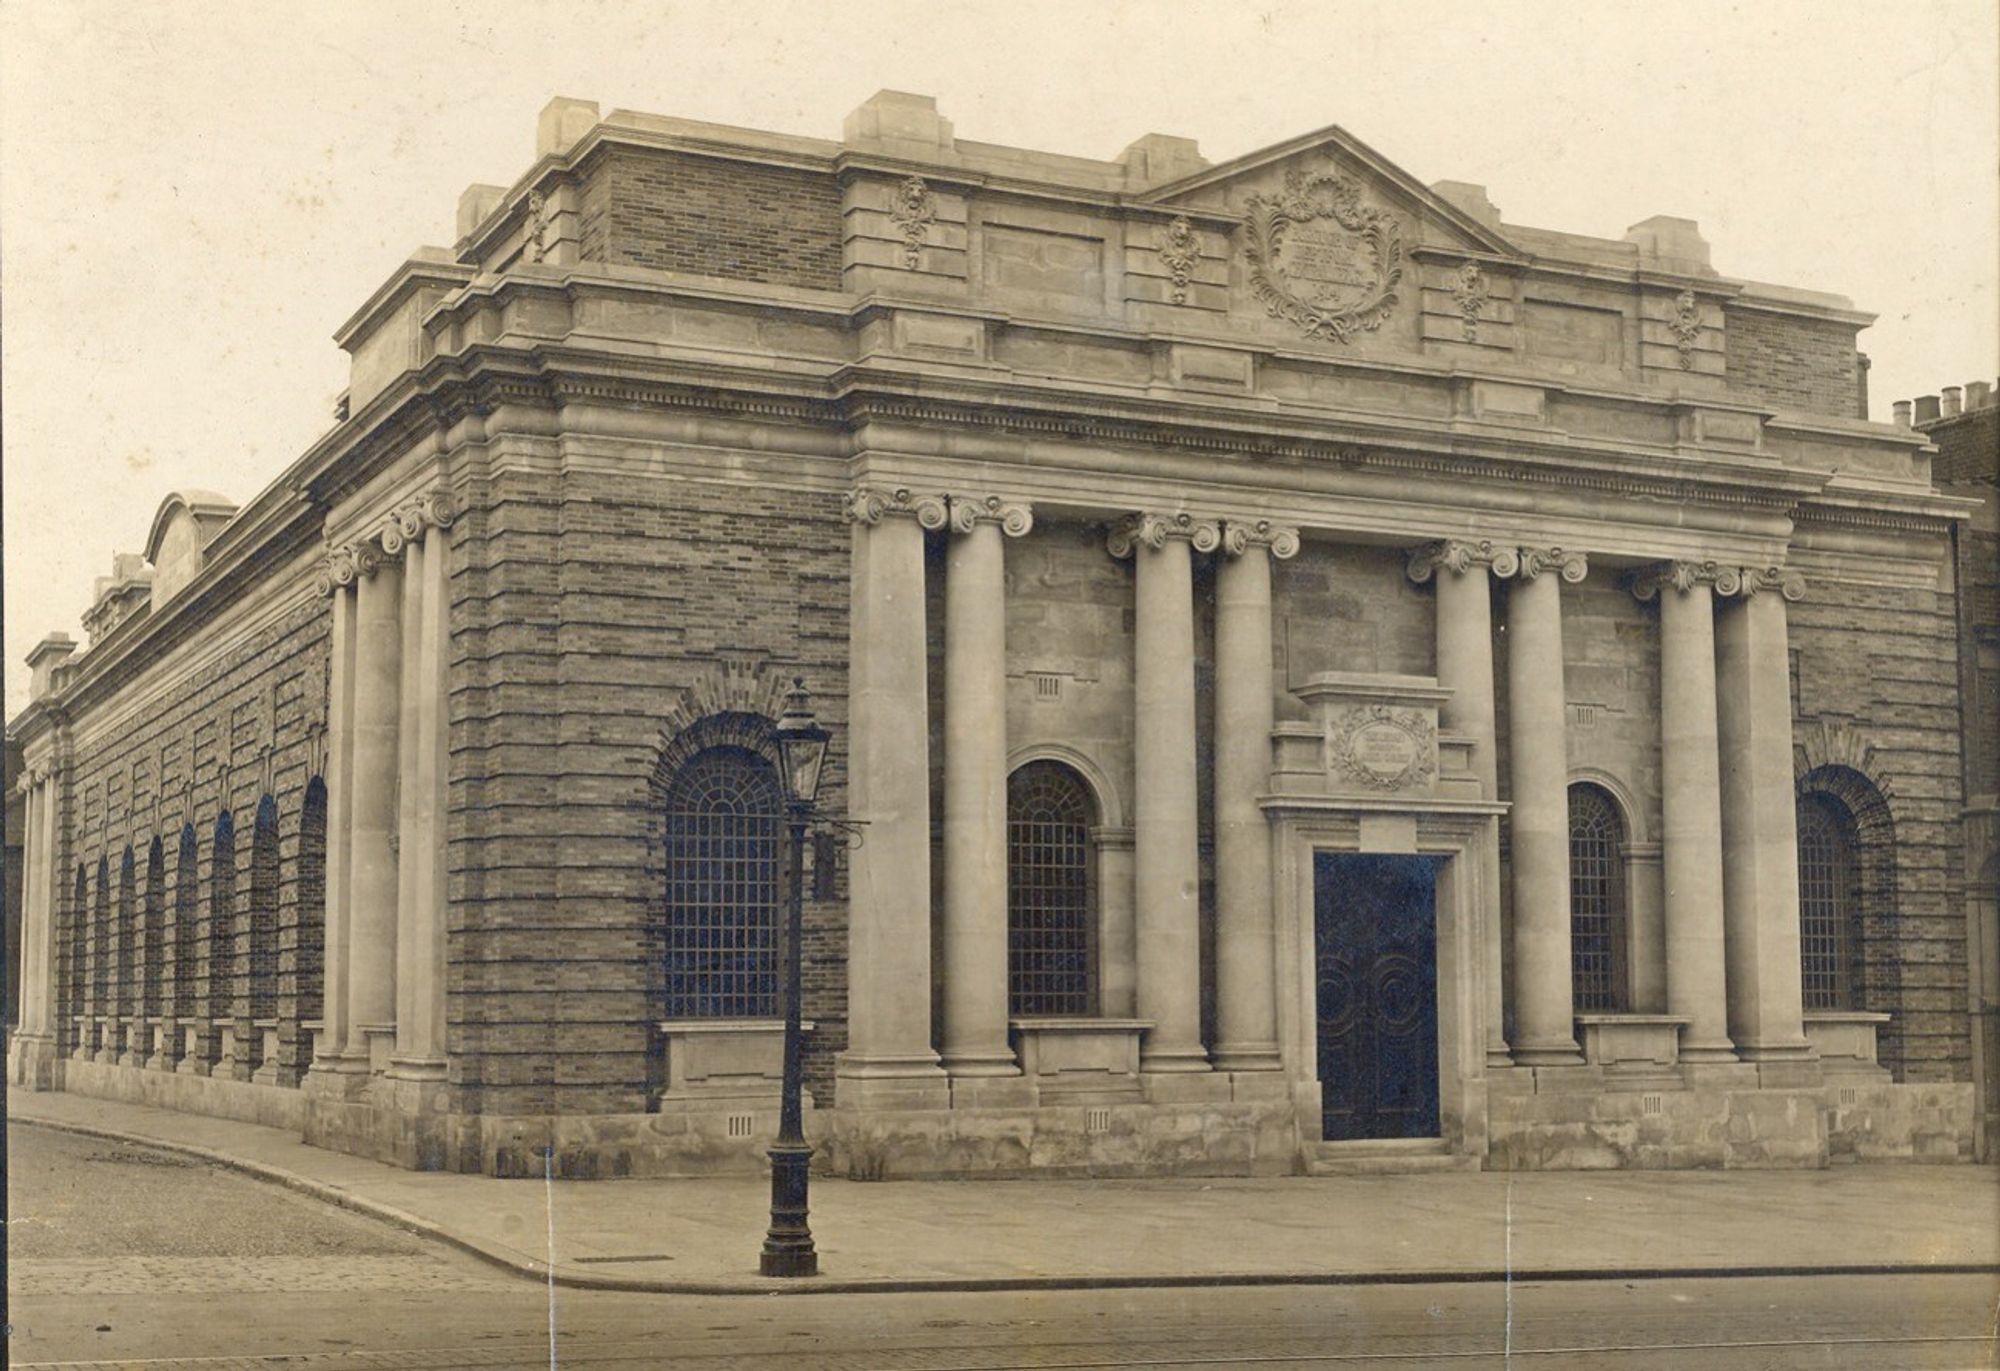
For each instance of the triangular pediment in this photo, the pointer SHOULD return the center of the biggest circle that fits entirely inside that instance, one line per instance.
(1331, 162)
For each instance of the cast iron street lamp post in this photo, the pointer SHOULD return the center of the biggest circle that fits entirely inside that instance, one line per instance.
(788, 1246)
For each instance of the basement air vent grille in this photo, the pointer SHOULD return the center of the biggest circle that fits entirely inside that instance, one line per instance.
(1099, 1121)
(1048, 685)
(742, 1125)
(1650, 1104)
(1849, 1096)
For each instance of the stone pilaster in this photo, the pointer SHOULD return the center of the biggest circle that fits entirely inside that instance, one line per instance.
(1166, 884)
(975, 785)
(1463, 571)
(889, 1059)
(330, 1048)
(420, 926)
(1246, 1003)
(1760, 864)
(1690, 807)
(1544, 1001)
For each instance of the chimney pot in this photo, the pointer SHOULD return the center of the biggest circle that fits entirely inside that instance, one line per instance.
(1902, 410)
(1978, 395)
(1951, 398)
(1927, 409)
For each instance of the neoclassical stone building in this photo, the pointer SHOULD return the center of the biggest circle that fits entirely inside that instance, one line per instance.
(1321, 677)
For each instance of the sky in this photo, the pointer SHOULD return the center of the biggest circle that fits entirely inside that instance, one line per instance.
(193, 197)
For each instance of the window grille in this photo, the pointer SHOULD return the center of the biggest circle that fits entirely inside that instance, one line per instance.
(100, 948)
(156, 931)
(187, 927)
(1829, 902)
(222, 920)
(1596, 900)
(264, 912)
(723, 821)
(1051, 942)
(127, 934)
(312, 903)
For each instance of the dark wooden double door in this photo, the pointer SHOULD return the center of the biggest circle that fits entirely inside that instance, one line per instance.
(1376, 963)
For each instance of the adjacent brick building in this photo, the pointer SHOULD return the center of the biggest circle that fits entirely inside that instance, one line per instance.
(1321, 678)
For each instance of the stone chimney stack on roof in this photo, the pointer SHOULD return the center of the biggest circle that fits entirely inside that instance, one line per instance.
(475, 203)
(1159, 158)
(1978, 395)
(1902, 412)
(900, 123)
(1469, 199)
(1671, 244)
(1928, 409)
(1951, 401)
(43, 658)
(563, 122)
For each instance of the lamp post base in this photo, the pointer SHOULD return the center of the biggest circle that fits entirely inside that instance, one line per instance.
(788, 1246)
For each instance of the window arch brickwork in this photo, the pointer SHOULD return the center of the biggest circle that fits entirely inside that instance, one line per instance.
(100, 942)
(1051, 892)
(187, 925)
(220, 983)
(153, 967)
(126, 934)
(723, 816)
(263, 959)
(1598, 903)
(1863, 967)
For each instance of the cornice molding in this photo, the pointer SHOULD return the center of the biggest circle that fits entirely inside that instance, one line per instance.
(870, 505)
(1155, 530)
(969, 511)
(1239, 537)
(1459, 556)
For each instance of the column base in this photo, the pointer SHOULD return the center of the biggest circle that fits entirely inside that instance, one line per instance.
(1548, 1052)
(1696, 1053)
(986, 1062)
(31, 1061)
(1498, 1059)
(915, 1081)
(1166, 1059)
(1247, 1057)
(1776, 1050)
(418, 1068)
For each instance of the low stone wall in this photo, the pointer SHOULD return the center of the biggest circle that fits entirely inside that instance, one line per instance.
(273, 1106)
(1900, 1123)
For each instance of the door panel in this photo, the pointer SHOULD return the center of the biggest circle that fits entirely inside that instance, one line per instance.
(1376, 962)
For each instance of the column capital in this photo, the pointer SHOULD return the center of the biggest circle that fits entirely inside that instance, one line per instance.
(1784, 580)
(1154, 530)
(403, 525)
(871, 504)
(1571, 566)
(1460, 556)
(1647, 582)
(1239, 536)
(969, 511)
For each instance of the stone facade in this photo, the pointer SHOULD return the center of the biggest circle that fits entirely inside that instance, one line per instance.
(1175, 551)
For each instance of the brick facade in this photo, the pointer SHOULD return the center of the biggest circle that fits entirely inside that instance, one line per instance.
(1794, 363)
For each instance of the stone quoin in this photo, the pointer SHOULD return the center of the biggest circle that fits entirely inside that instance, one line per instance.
(1321, 678)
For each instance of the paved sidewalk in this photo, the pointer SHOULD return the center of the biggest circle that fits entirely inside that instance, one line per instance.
(702, 1236)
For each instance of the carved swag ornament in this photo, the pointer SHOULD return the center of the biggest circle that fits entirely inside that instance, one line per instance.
(1321, 258)
(1180, 250)
(913, 211)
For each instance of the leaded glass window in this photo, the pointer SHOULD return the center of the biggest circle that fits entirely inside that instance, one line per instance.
(1829, 903)
(724, 815)
(1051, 915)
(1596, 900)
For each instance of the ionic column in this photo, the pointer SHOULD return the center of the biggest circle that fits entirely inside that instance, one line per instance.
(1246, 989)
(1166, 883)
(888, 779)
(1544, 1014)
(1465, 666)
(372, 872)
(412, 865)
(1760, 863)
(975, 785)
(1690, 807)
(34, 909)
(424, 1049)
(338, 582)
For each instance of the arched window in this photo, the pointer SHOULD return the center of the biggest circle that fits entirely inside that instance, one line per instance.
(154, 953)
(1829, 904)
(128, 929)
(1597, 909)
(1051, 893)
(187, 926)
(100, 943)
(312, 903)
(724, 812)
(222, 919)
(264, 911)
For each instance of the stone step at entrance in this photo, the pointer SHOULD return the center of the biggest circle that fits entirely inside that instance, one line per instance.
(1387, 1157)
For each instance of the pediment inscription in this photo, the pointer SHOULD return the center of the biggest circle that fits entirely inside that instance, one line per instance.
(1320, 257)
